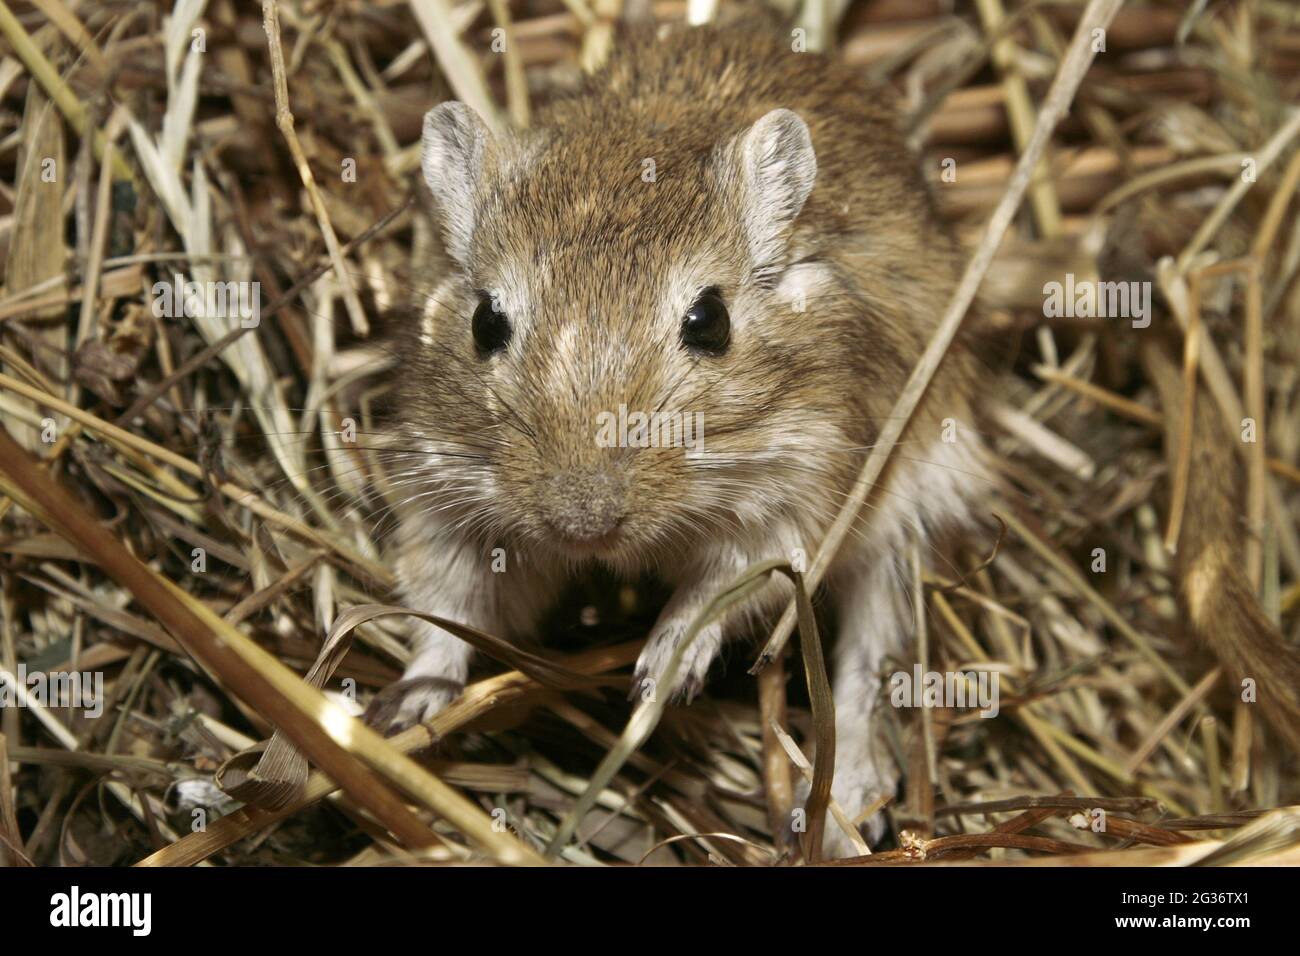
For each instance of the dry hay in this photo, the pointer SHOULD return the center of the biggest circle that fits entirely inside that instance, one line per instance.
(168, 435)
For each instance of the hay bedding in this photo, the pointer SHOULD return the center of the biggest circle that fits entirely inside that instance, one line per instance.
(183, 436)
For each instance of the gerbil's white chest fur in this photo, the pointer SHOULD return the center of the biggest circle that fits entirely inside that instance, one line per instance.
(675, 314)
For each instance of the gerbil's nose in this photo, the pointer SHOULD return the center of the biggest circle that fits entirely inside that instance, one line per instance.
(582, 505)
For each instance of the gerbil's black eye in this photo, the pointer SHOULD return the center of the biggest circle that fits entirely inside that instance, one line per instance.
(706, 326)
(491, 328)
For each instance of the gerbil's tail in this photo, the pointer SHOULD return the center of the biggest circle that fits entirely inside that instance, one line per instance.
(1217, 600)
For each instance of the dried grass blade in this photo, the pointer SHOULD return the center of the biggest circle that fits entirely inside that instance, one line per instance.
(334, 740)
(647, 715)
(282, 770)
(1078, 58)
(477, 700)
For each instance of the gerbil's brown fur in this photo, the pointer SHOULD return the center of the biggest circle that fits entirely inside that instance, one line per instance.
(711, 162)
(568, 200)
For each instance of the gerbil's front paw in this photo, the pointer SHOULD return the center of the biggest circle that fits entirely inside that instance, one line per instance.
(410, 702)
(652, 666)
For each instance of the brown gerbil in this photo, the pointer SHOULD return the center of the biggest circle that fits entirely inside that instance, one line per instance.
(716, 230)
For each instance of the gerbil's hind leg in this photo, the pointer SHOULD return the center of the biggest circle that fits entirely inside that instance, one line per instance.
(875, 622)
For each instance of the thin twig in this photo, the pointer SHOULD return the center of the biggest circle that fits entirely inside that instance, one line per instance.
(284, 120)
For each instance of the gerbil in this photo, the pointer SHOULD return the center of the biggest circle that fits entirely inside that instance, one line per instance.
(718, 225)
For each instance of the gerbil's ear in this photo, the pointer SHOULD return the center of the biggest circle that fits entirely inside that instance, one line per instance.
(453, 150)
(779, 164)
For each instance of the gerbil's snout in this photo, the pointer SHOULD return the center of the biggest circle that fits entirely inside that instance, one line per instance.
(583, 505)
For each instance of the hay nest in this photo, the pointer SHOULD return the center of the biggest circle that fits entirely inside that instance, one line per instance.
(185, 503)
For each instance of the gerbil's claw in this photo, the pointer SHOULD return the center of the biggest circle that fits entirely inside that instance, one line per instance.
(409, 702)
(638, 685)
(691, 672)
(688, 689)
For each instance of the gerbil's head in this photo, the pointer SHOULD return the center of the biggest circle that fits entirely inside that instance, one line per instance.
(616, 288)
